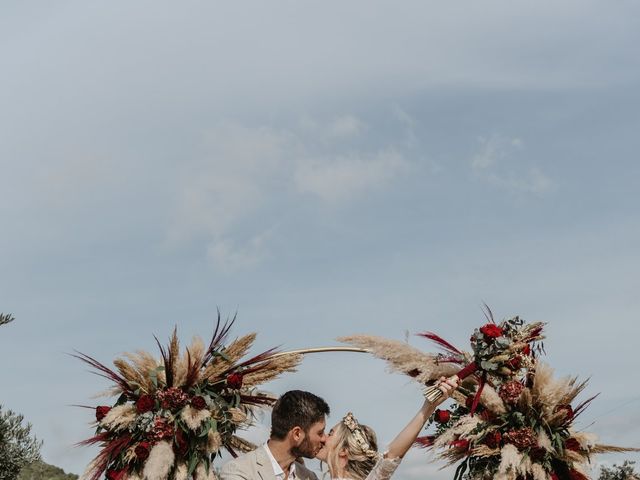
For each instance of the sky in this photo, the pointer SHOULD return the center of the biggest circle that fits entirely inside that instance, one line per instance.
(322, 169)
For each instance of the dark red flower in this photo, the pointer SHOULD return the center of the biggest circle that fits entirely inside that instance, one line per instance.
(576, 475)
(514, 363)
(521, 438)
(537, 453)
(145, 403)
(526, 350)
(161, 429)
(234, 381)
(492, 439)
(172, 398)
(510, 391)
(569, 414)
(461, 443)
(181, 445)
(554, 476)
(142, 450)
(487, 415)
(198, 403)
(491, 330)
(442, 416)
(102, 411)
(572, 444)
(116, 474)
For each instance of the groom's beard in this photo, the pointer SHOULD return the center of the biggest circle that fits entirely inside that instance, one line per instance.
(305, 449)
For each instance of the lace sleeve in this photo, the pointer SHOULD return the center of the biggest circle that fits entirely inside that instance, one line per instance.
(384, 468)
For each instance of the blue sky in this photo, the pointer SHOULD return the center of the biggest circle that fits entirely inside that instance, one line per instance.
(323, 169)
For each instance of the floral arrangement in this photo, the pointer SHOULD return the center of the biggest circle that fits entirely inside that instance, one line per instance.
(522, 430)
(512, 420)
(174, 414)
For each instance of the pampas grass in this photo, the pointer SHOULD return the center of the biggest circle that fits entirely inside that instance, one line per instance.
(181, 472)
(490, 400)
(159, 463)
(214, 442)
(193, 417)
(234, 352)
(201, 473)
(509, 462)
(272, 369)
(402, 357)
(119, 417)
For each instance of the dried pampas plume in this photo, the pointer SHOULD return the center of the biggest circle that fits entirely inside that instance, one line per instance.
(159, 463)
(403, 358)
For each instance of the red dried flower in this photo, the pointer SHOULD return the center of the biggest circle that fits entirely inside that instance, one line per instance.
(142, 450)
(510, 391)
(572, 444)
(492, 439)
(181, 446)
(461, 443)
(442, 416)
(526, 350)
(521, 438)
(172, 398)
(161, 429)
(554, 476)
(234, 381)
(487, 415)
(569, 414)
(491, 330)
(116, 474)
(515, 363)
(101, 412)
(198, 403)
(145, 404)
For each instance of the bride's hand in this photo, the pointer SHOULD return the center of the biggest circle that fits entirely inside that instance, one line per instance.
(446, 386)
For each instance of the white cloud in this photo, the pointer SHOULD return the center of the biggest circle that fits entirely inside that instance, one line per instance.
(498, 163)
(337, 179)
(230, 256)
(345, 126)
(494, 149)
(247, 170)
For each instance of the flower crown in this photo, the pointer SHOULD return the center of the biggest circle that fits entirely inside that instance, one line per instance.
(352, 424)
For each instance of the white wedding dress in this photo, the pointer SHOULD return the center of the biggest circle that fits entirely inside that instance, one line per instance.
(383, 469)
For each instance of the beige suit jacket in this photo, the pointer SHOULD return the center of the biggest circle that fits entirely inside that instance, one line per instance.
(256, 465)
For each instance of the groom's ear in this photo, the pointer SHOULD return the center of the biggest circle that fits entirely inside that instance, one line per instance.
(297, 434)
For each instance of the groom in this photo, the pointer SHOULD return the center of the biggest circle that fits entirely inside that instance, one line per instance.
(297, 430)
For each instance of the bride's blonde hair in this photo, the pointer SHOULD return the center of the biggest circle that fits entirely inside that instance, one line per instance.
(361, 445)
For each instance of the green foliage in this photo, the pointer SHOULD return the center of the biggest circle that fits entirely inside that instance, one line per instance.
(6, 318)
(619, 472)
(39, 470)
(17, 446)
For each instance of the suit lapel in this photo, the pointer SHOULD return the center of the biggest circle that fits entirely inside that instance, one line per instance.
(265, 469)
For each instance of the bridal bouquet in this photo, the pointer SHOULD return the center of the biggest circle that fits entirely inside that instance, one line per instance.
(521, 431)
(174, 414)
(501, 352)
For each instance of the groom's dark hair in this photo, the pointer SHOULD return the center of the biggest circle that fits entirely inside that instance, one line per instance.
(296, 408)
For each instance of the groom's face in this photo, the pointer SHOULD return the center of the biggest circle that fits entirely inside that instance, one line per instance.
(312, 441)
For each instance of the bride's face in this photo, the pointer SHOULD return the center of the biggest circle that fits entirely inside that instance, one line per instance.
(329, 445)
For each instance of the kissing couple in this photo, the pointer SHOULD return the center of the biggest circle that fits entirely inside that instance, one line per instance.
(350, 449)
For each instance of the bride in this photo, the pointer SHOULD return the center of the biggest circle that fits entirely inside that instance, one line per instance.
(351, 449)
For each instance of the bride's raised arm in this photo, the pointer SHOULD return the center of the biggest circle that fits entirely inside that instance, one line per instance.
(403, 441)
